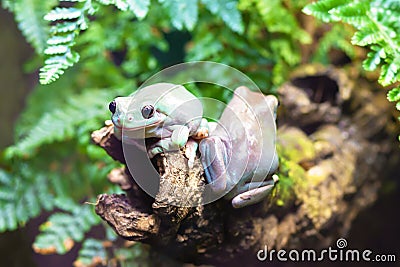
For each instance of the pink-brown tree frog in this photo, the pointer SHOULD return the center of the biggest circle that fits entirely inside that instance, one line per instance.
(240, 153)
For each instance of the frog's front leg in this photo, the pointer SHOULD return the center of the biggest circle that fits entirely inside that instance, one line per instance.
(161, 146)
(214, 160)
(178, 139)
(253, 192)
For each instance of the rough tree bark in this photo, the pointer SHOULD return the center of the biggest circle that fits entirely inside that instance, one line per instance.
(335, 132)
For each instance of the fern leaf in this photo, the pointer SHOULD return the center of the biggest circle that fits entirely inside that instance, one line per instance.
(367, 36)
(374, 58)
(92, 253)
(29, 15)
(322, 9)
(120, 4)
(139, 7)
(62, 230)
(60, 124)
(56, 49)
(56, 65)
(61, 39)
(63, 13)
(388, 73)
(22, 197)
(64, 27)
(353, 13)
(69, 21)
(394, 95)
(183, 13)
(227, 10)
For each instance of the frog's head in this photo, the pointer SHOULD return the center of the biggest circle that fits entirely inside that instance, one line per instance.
(161, 104)
(129, 115)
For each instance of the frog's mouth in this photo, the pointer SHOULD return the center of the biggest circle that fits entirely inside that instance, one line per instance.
(124, 128)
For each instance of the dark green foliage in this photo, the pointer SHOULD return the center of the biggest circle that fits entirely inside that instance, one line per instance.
(121, 43)
(62, 229)
(22, 196)
(29, 15)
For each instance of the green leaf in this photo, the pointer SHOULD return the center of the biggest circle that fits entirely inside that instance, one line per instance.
(62, 229)
(29, 15)
(91, 253)
(394, 95)
(63, 13)
(322, 8)
(22, 196)
(56, 65)
(139, 7)
(227, 10)
(61, 39)
(374, 58)
(56, 49)
(69, 21)
(354, 13)
(60, 123)
(388, 74)
(367, 36)
(183, 13)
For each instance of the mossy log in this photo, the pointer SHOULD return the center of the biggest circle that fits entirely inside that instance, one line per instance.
(336, 137)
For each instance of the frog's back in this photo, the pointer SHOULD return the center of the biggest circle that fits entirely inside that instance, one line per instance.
(250, 122)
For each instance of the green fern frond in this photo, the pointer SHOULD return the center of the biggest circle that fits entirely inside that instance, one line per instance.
(139, 7)
(22, 197)
(322, 9)
(92, 253)
(367, 36)
(354, 13)
(61, 230)
(183, 13)
(29, 15)
(69, 21)
(227, 10)
(377, 28)
(394, 95)
(388, 73)
(374, 58)
(63, 13)
(61, 123)
(279, 19)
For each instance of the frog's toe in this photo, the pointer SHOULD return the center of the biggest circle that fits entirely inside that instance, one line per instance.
(180, 136)
(190, 151)
(252, 196)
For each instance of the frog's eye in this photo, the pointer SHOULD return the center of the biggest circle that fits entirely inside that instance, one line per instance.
(147, 111)
(112, 106)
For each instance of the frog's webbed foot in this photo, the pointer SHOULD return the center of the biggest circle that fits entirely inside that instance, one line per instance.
(253, 192)
(214, 160)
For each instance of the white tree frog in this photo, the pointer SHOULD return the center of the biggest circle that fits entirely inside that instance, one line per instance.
(240, 153)
(163, 110)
